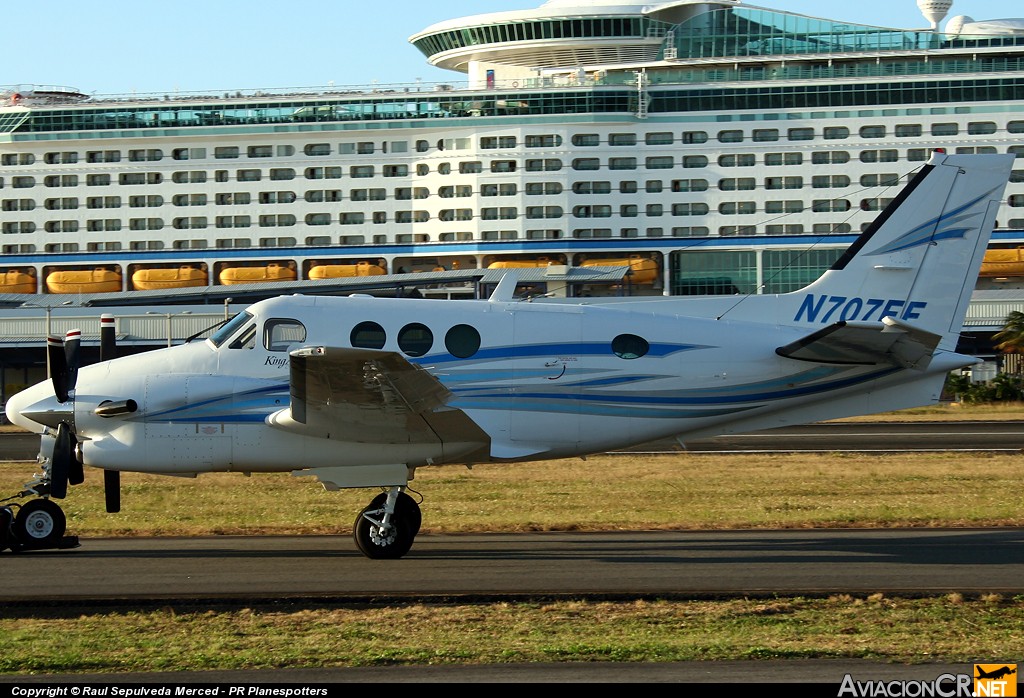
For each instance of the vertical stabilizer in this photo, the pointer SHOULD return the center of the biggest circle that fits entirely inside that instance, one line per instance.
(918, 262)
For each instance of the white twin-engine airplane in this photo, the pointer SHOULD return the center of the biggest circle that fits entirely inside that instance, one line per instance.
(361, 391)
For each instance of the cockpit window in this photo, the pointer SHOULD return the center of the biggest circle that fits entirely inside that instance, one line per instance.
(230, 328)
(246, 339)
(279, 334)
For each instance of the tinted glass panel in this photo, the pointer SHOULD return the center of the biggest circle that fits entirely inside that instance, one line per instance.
(368, 335)
(462, 341)
(415, 339)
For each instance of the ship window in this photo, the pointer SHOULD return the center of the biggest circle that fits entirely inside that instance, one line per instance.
(415, 339)
(462, 341)
(221, 335)
(225, 152)
(662, 138)
(833, 133)
(279, 335)
(801, 134)
(629, 346)
(978, 128)
(622, 139)
(739, 160)
(835, 157)
(318, 149)
(908, 130)
(1018, 151)
(695, 161)
(873, 131)
(660, 163)
(730, 136)
(737, 184)
(586, 164)
(695, 137)
(945, 129)
(586, 139)
(471, 167)
(625, 187)
(763, 135)
(1015, 127)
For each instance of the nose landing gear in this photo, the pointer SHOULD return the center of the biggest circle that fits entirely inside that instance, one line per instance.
(39, 524)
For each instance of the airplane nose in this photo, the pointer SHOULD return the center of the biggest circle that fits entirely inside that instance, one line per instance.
(19, 403)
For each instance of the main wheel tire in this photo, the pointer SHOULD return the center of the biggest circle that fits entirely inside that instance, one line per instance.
(406, 507)
(39, 524)
(383, 545)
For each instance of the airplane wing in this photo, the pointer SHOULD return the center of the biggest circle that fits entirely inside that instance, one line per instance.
(367, 396)
(887, 342)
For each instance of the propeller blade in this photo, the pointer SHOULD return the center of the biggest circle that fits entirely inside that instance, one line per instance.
(108, 338)
(72, 349)
(60, 462)
(76, 473)
(58, 364)
(112, 490)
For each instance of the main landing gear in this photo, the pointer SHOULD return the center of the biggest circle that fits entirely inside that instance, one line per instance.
(386, 528)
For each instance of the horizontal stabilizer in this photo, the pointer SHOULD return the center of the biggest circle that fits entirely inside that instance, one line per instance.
(887, 342)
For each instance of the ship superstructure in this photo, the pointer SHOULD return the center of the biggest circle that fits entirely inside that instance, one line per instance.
(714, 147)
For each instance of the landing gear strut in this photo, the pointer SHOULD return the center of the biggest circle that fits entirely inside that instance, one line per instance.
(386, 528)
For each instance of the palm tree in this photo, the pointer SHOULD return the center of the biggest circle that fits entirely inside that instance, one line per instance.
(1010, 339)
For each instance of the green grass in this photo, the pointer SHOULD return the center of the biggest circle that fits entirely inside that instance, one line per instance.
(946, 629)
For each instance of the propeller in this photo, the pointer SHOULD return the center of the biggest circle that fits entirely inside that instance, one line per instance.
(65, 464)
(63, 357)
(111, 478)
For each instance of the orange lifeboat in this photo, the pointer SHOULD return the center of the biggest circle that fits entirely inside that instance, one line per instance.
(523, 263)
(18, 281)
(98, 280)
(1003, 263)
(344, 271)
(643, 270)
(158, 279)
(256, 274)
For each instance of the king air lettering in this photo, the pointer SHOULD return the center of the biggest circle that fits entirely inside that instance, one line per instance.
(826, 309)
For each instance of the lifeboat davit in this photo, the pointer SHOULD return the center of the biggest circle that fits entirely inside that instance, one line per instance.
(256, 274)
(98, 280)
(18, 281)
(344, 271)
(158, 279)
(1003, 263)
(643, 270)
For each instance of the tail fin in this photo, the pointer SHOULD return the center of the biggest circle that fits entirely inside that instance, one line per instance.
(919, 261)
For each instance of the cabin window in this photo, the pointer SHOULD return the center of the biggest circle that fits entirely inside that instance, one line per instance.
(462, 341)
(230, 328)
(279, 335)
(629, 346)
(415, 339)
(368, 335)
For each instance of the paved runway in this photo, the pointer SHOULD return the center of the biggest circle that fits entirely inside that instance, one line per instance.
(493, 566)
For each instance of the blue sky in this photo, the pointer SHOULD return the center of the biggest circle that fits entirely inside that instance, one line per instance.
(125, 46)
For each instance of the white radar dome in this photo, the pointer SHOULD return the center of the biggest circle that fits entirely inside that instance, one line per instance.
(956, 25)
(934, 10)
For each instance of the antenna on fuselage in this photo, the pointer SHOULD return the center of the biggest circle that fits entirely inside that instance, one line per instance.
(505, 291)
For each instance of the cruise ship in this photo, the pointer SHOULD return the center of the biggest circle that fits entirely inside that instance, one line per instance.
(710, 147)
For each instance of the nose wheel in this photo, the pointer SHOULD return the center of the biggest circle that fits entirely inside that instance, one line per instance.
(39, 524)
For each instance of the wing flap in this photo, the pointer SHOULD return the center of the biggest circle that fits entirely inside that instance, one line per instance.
(887, 342)
(360, 395)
